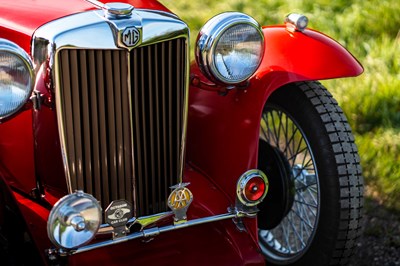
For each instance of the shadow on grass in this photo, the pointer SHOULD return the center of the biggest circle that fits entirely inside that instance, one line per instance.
(380, 242)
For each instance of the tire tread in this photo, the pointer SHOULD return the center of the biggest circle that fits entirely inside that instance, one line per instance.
(349, 169)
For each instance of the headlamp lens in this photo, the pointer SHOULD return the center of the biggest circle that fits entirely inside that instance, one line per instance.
(16, 78)
(74, 220)
(238, 53)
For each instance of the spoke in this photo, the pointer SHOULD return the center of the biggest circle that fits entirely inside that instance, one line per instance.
(308, 215)
(265, 134)
(306, 199)
(309, 163)
(304, 156)
(295, 155)
(297, 234)
(303, 215)
(280, 124)
(274, 127)
(285, 235)
(270, 133)
(298, 151)
(290, 142)
(307, 204)
(313, 189)
(286, 135)
(264, 129)
(294, 140)
(312, 196)
(305, 186)
(294, 243)
(302, 218)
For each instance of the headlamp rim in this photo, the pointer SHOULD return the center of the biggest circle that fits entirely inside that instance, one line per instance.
(56, 211)
(208, 39)
(15, 50)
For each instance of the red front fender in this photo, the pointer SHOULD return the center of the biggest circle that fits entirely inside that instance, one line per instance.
(301, 56)
(223, 131)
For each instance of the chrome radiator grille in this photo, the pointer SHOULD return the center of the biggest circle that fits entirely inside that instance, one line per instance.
(122, 121)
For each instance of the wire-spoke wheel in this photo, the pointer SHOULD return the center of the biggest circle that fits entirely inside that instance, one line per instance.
(312, 215)
(291, 237)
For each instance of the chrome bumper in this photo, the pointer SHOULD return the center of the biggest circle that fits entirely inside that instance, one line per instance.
(54, 254)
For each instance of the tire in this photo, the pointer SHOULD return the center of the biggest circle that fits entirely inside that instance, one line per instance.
(312, 214)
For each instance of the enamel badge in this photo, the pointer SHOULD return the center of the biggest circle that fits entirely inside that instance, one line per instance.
(179, 201)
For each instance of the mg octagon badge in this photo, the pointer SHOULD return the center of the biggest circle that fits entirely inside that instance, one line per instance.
(130, 37)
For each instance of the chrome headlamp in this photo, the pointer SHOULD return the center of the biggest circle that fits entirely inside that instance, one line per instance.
(230, 47)
(16, 78)
(74, 220)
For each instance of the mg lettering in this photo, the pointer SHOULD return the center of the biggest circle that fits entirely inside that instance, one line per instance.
(130, 36)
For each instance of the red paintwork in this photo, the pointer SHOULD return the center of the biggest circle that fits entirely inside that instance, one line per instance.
(16, 152)
(36, 219)
(222, 142)
(47, 142)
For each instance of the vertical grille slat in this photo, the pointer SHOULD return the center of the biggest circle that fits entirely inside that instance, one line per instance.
(102, 127)
(86, 121)
(164, 115)
(152, 92)
(122, 121)
(158, 165)
(138, 144)
(178, 103)
(118, 124)
(74, 72)
(169, 102)
(144, 114)
(110, 116)
(126, 129)
(95, 144)
(65, 81)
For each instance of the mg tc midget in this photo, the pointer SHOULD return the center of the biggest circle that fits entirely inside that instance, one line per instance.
(115, 149)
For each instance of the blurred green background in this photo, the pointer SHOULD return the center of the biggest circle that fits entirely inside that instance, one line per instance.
(370, 30)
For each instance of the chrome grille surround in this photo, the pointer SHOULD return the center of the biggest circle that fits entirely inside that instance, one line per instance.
(102, 155)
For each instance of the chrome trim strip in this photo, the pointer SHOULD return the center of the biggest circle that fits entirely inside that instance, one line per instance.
(154, 231)
(185, 113)
(96, 3)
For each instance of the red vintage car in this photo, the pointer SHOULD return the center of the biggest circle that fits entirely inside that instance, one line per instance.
(116, 150)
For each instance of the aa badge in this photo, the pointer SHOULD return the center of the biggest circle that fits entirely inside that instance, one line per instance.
(179, 201)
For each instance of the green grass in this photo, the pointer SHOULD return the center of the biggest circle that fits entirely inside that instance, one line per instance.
(370, 30)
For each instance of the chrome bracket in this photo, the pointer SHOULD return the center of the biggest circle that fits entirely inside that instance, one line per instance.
(37, 100)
